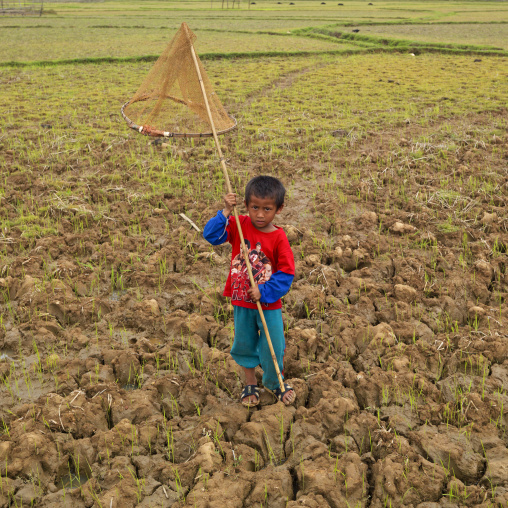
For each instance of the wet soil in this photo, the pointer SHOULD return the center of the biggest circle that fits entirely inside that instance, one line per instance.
(118, 387)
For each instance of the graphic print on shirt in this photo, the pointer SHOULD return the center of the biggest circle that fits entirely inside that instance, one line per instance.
(261, 271)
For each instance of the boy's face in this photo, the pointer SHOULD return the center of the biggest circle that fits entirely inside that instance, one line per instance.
(262, 211)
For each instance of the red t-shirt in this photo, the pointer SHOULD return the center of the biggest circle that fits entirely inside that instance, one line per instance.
(268, 253)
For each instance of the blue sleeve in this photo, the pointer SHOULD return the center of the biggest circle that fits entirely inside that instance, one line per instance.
(276, 287)
(215, 229)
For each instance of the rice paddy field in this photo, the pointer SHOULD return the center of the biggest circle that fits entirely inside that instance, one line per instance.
(494, 35)
(387, 122)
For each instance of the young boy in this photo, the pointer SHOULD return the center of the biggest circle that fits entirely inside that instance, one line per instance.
(273, 268)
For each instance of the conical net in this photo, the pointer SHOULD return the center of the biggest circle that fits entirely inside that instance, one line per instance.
(170, 101)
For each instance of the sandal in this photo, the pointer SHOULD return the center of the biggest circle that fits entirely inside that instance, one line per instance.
(280, 394)
(248, 391)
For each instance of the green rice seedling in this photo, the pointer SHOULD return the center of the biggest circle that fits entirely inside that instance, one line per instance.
(178, 483)
(139, 484)
(271, 454)
(170, 443)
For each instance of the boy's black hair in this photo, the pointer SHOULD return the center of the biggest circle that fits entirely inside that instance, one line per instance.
(266, 187)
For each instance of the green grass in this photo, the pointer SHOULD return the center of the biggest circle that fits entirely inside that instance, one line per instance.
(115, 29)
(49, 44)
(480, 13)
(371, 91)
(489, 34)
(301, 8)
(342, 33)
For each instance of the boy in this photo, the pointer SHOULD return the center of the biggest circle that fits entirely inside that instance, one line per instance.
(273, 268)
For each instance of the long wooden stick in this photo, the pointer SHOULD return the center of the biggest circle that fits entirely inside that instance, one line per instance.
(237, 219)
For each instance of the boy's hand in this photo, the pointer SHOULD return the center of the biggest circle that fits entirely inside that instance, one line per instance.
(254, 293)
(229, 202)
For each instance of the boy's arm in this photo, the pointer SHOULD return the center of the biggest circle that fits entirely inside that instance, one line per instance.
(276, 287)
(215, 231)
(280, 282)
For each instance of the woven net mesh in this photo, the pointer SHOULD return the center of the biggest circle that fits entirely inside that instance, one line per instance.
(170, 99)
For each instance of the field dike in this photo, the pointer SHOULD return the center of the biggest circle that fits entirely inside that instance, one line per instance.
(118, 389)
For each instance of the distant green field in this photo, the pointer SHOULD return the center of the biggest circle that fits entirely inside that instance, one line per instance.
(166, 21)
(304, 8)
(66, 43)
(77, 30)
(482, 34)
(487, 14)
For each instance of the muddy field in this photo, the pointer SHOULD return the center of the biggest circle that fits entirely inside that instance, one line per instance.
(118, 389)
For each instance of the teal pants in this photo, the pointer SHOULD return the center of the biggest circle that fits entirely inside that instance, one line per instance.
(250, 347)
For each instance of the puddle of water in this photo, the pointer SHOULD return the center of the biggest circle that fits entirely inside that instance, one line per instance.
(72, 481)
(130, 387)
(116, 295)
(7, 355)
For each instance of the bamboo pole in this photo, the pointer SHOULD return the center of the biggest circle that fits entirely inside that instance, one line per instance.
(237, 219)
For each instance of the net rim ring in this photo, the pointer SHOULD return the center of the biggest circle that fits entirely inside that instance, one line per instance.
(156, 133)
